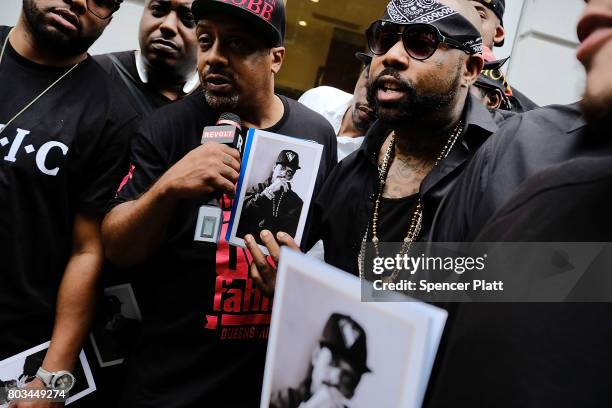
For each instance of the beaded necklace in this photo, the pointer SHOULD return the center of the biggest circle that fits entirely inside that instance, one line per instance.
(417, 216)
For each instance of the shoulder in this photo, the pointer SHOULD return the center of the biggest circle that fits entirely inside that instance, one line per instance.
(191, 110)
(106, 63)
(301, 113)
(535, 130)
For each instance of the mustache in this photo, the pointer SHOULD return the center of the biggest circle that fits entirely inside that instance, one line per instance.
(404, 86)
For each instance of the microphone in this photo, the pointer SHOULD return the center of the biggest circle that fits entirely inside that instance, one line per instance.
(227, 131)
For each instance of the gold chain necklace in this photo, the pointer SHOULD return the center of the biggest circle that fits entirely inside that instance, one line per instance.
(39, 95)
(416, 221)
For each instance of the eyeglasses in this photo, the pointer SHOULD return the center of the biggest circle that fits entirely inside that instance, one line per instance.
(103, 9)
(420, 40)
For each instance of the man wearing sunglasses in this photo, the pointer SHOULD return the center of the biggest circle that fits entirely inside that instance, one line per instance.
(63, 136)
(493, 35)
(426, 56)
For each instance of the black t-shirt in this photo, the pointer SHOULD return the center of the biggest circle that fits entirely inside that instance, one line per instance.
(538, 355)
(205, 330)
(63, 156)
(127, 59)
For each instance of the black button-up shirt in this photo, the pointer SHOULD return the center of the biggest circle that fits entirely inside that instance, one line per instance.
(343, 208)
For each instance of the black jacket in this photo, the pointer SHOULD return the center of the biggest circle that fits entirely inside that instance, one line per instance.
(524, 146)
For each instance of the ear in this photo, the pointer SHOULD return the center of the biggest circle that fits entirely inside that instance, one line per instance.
(278, 56)
(493, 100)
(500, 34)
(473, 68)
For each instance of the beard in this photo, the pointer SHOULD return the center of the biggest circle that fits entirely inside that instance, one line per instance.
(226, 103)
(414, 107)
(53, 40)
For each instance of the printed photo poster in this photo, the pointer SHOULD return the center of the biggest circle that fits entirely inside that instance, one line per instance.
(275, 187)
(21, 369)
(116, 326)
(328, 349)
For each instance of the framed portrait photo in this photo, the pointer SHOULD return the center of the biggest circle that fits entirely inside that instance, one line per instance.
(275, 187)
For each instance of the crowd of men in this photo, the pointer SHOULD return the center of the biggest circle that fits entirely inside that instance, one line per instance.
(103, 174)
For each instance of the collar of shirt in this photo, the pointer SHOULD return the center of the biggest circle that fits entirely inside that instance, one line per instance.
(189, 86)
(480, 122)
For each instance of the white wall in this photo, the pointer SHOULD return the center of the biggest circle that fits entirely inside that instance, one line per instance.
(543, 65)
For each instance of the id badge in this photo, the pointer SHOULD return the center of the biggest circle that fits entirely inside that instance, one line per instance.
(208, 227)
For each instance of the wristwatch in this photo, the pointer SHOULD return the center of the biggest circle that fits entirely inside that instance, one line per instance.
(57, 380)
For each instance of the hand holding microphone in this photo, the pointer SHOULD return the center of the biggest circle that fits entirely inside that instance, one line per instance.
(212, 167)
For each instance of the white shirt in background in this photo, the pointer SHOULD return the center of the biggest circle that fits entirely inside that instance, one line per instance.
(332, 104)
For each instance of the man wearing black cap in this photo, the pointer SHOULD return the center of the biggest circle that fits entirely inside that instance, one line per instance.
(493, 35)
(273, 205)
(426, 56)
(205, 323)
(337, 365)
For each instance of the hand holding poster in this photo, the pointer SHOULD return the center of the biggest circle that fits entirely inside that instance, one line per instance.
(275, 188)
(328, 349)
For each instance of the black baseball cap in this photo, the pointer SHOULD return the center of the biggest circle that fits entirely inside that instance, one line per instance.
(289, 158)
(265, 15)
(346, 339)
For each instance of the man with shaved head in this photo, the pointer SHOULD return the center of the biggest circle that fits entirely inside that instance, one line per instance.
(164, 68)
(426, 56)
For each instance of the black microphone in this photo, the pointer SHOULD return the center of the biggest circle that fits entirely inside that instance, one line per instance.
(227, 131)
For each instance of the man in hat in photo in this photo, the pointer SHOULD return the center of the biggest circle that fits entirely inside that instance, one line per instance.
(199, 345)
(273, 205)
(337, 364)
(493, 35)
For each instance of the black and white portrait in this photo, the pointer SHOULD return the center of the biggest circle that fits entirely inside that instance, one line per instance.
(328, 349)
(20, 369)
(276, 186)
(117, 326)
(338, 362)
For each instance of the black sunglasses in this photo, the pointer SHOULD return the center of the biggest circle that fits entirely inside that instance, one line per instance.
(103, 9)
(420, 40)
